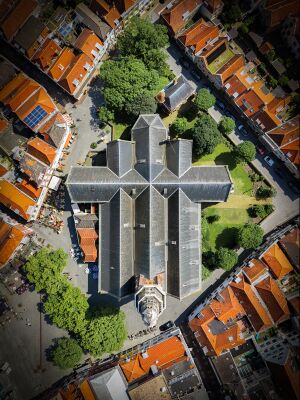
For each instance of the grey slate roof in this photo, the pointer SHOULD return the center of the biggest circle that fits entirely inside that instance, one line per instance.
(109, 385)
(178, 93)
(29, 32)
(86, 220)
(92, 21)
(56, 135)
(148, 193)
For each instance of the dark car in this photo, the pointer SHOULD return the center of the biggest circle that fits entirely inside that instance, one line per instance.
(166, 326)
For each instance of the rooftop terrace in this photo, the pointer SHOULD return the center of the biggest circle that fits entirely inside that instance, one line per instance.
(220, 61)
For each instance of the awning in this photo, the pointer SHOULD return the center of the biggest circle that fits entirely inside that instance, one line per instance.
(54, 183)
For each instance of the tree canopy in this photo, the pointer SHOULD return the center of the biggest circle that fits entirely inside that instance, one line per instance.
(250, 236)
(245, 152)
(67, 353)
(179, 126)
(205, 135)
(226, 125)
(204, 99)
(225, 258)
(263, 192)
(145, 41)
(144, 103)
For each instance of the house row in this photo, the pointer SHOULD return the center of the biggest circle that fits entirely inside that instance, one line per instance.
(36, 156)
(160, 368)
(258, 300)
(68, 46)
(219, 58)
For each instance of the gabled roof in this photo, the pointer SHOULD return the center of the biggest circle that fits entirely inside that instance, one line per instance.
(198, 35)
(290, 243)
(111, 17)
(17, 17)
(249, 103)
(76, 73)
(174, 16)
(29, 189)
(255, 311)
(234, 87)
(286, 133)
(41, 150)
(274, 299)
(87, 41)
(62, 63)
(92, 21)
(277, 261)
(14, 199)
(229, 68)
(87, 239)
(178, 93)
(34, 169)
(266, 120)
(29, 32)
(47, 54)
(10, 238)
(255, 270)
(227, 307)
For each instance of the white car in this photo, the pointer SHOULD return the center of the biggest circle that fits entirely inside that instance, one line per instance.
(269, 161)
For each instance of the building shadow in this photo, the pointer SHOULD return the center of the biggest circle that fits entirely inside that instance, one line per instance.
(97, 99)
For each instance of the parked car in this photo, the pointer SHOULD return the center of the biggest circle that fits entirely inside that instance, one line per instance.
(294, 187)
(220, 105)
(166, 326)
(242, 129)
(195, 75)
(261, 149)
(184, 62)
(269, 161)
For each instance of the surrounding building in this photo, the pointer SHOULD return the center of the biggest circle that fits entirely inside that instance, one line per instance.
(178, 12)
(175, 94)
(291, 34)
(148, 201)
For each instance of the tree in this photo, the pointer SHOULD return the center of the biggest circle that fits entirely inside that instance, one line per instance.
(67, 353)
(179, 125)
(250, 236)
(233, 13)
(205, 135)
(105, 331)
(225, 258)
(204, 100)
(124, 81)
(261, 210)
(226, 125)
(271, 55)
(244, 152)
(243, 28)
(105, 115)
(272, 82)
(283, 80)
(145, 41)
(144, 103)
(44, 270)
(263, 192)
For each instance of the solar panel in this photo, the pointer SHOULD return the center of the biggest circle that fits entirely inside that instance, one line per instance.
(65, 30)
(36, 116)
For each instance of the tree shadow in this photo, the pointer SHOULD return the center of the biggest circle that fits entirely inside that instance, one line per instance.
(97, 99)
(226, 159)
(227, 238)
(126, 135)
(49, 350)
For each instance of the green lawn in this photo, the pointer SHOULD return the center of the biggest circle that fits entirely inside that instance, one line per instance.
(119, 130)
(220, 61)
(161, 83)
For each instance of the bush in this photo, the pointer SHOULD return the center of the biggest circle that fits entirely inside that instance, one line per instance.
(179, 126)
(243, 28)
(226, 125)
(204, 100)
(263, 192)
(260, 210)
(255, 177)
(244, 152)
(67, 353)
(225, 258)
(205, 135)
(213, 218)
(250, 236)
(93, 145)
(272, 82)
(105, 115)
(283, 80)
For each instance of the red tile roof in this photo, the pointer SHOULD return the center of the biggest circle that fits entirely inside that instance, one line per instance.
(274, 299)
(10, 238)
(227, 309)
(232, 66)
(234, 87)
(29, 189)
(266, 120)
(76, 73)
(266, 47)
(286, 133)
(41, 150)
(174, 16)
(255, 311)
(198, 35)
(17, 17)
(87, 42)
(255, 269)
(277, 261)
(87, 238)
(290, 243)
(47, 54)
(279, 10)
(62, 63)
(249, 102)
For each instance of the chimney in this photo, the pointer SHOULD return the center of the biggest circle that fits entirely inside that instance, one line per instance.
(161, 97)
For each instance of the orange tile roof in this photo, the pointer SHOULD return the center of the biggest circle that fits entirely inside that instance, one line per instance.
(291, 246)
(292, 151)
(87, 41)
(174, 15)
(3, 170)
(278, 103)
(198, 35)
(255, 311)
(86, 391)
(211, 48)
(64, 60)
(112, 15)
(234, 87)
(277, 261)
(10, 239)
(266, 47)
(161, 355)
(21, 95)
(254, 270)
(228, 69)
(17, 17)
(279, 11)
(229, 308)
(87, 238)
(47, 54)
(12, 86)
(274, 299)
(287, 132)
(41, 150)
(29, 189)
(76, 71)
(266, 120)
(249, 103)
(15, 199)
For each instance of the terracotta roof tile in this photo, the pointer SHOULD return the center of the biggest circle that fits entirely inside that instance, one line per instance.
(295, 303)
(62, 63)
(87, 42)
(47, 54)
(278, 11)
(266, 120)
(198, 35)
(17, 17)
(249, 103)
(3, 170)
(292, 151)
(277, 261)
(290, 243)
(10, 239)
(234, 87)
(87, 239)
(112, 16)
(29, 189)
(228, 308)
(76, 73)
(266, 47)
(174, 16)
(255, 269)
(15, 199)
(274, 299)
(255, 311)
(86, 391)
(233, 65)
(41, 150)
(287, 132)
(12, 87)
